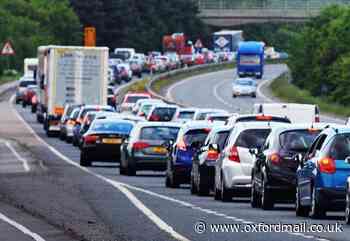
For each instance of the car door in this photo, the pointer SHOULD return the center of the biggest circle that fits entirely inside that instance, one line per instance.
(305, 173)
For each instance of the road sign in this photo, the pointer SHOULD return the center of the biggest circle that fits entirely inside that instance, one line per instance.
(89, 37)
(198, 44)
(7, 49)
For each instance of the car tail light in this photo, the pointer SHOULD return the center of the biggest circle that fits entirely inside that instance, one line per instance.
(142, 114)
(207, 130)
(274, 158)
(90, 139)
(327, 165)
(317, 118)
(212, 155)
(233, 154)
(154, 118)
(137, 146)
(181, 145)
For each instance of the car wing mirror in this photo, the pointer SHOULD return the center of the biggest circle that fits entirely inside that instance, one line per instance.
(254, 151)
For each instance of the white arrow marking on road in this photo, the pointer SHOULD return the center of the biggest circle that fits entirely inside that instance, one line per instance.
(21, 228)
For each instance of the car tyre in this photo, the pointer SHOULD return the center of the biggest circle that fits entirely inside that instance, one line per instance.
(225, 193)
(24, 104)
(254, 198)
(234, 96)
(33, 108)
(202, 187)
(300, 211)
(193, 186)
(347, 209)
(266, 198)
(254, 95)
(84, 160)
(316, 210)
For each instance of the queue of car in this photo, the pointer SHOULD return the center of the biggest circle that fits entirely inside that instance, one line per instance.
(264, 156)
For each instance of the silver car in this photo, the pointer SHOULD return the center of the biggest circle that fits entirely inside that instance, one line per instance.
(244, 86)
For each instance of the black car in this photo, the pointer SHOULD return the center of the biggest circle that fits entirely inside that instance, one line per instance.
(147, 147)
(103, 140)
(203, 165)
(274, 172)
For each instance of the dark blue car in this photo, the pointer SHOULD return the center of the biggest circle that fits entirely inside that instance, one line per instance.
(190, 138)
(322, 174)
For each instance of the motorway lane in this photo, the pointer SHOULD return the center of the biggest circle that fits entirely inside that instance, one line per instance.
(176, 207)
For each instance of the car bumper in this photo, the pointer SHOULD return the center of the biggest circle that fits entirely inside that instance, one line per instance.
(331, 198)
(103, 153)
(154, 163)
(182, 173)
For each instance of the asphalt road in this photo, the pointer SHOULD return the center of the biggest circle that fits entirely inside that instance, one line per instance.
(214, 90)
(141, 208)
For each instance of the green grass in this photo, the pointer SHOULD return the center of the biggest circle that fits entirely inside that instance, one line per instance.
(7, 78)
(139, 86)
(286, 91)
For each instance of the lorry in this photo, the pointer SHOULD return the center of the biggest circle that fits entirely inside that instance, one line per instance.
(69, 75)
(30, 67)
(178, 43)
(250, 59)
(297, 113)
(227, 40)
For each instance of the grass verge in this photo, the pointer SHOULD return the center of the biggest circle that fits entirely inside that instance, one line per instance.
(7, 78)
(286, 91)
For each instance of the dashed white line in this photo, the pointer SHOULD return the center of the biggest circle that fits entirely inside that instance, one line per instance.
(18, 156)
(21, 228)
(123, 187)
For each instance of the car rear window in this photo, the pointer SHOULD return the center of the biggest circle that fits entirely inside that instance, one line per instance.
(165, 113)
(245, 82)
(203, 115)
(297, 140)
(85, 111)
(26, 83)
(112, 127)
(159, 133)
(252, 138)
(146, 108)
(218, 118)
(340, 147)
(254, 118)
(197, 135)
(134, 99)
(188, 115)
(221, 138)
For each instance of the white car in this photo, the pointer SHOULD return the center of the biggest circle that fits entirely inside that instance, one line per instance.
(184, 114)
(138, 104)
(244, 86)
(219, 117)
(201, 114)
(234, 166)
(130, 99)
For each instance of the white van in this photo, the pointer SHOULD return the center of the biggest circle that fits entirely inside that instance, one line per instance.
(297, 113)
(124, 54)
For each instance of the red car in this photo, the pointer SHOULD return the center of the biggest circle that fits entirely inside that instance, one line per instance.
(28, 95)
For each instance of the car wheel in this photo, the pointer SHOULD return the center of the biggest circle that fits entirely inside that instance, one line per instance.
(316, 211)
(254, 95)
(130, 170)
(193, 187)
(62, 136)
(17, 101)
(347, 209)
(254, 198)
(217, 194)
(300, 211)
(84, 160)
(266, 197)
(225, 193)
(24, 104)
(33, 109)
(234, 96)
(202, 187)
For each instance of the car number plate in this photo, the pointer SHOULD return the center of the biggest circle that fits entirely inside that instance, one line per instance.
(111, 141)
(161, 150)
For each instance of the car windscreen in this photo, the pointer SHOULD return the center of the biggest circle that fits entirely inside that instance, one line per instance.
(221, 138)
(159, 133)
(340, 147)
(26, 83)
(188, 115)
(112, 127)
(197, 135)
(165, 113)
(297, 140)
(252, 138)
(244, 82)
(254, 118)
(134, 99)
(85, 111)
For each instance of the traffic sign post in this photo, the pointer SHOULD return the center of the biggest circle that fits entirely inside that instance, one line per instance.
(198, 45)
(7, 50)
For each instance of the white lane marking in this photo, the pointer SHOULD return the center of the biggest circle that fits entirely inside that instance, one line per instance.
(120, 186)
(21, 228)
(18, 156)
(217, 96)
(261, 94)
(137, 203)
